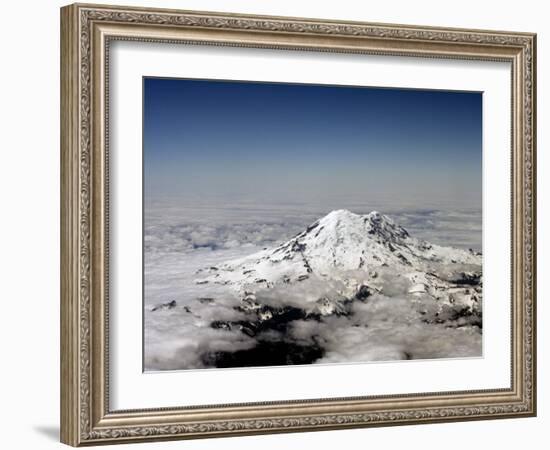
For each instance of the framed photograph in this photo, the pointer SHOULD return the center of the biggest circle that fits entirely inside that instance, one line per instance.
(275, 224)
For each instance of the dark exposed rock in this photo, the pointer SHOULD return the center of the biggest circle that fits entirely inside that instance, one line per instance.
(280, 318)
(248, 329)
(453, 317)
(466, 278)
(425, 245)
(298, 246)
(403, 259)
(363, 293)
(386, 230)
(221, 325)
(168, 305)
(312, 226)
(264, 319)
(265, 353)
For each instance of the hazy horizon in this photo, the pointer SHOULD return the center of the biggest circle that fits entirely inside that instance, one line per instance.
(309, 143)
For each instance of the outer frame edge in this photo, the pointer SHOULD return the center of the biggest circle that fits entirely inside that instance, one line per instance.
(69, 308)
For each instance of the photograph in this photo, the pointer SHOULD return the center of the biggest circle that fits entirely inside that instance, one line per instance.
(295, 224)
(291, 220)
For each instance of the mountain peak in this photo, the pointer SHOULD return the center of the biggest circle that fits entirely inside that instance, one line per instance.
(336, 218)
(346, 214)
(366, 226)
(339, 214)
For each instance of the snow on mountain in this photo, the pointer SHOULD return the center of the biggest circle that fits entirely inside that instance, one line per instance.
(364, 254)
(348, 288)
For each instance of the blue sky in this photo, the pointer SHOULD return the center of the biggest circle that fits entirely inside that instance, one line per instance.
(283, 141)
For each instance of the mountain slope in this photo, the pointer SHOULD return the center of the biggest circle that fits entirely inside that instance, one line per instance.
(355, 249)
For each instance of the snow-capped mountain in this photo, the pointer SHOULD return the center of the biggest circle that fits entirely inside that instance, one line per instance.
(362, 254)
(349, 287)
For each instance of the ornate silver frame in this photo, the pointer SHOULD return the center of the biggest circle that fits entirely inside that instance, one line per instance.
(86, 31)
